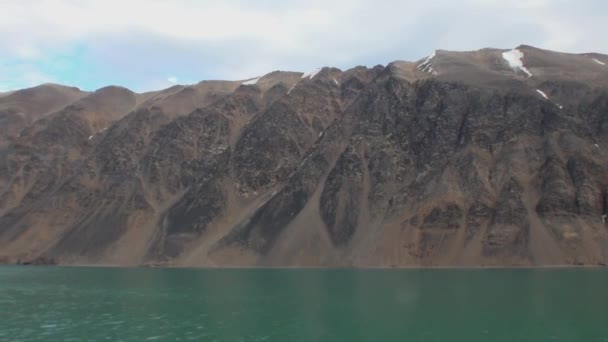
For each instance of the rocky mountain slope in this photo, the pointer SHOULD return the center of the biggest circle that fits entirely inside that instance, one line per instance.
(489, 157)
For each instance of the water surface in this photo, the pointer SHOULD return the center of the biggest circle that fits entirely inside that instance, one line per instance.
(139, 304)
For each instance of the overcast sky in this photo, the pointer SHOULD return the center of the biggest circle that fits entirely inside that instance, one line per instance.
(152, 44)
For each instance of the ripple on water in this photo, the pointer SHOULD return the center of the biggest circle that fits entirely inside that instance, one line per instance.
(77, 318)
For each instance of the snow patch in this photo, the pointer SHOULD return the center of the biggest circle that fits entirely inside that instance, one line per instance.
(251, 81)
(98, 132)
(335, 81)
(598, 61)
(428, 59)
(542, 93)
(311, 74)
(290, 89)
(514, 58)
(427, 66)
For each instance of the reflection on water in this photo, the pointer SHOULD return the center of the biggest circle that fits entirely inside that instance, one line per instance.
(101, 304)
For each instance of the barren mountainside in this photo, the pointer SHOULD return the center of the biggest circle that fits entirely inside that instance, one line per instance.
(489, 157)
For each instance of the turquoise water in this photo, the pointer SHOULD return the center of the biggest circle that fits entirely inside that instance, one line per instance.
(139, 304)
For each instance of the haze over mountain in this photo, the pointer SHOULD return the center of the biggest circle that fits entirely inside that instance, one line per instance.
(488, 157)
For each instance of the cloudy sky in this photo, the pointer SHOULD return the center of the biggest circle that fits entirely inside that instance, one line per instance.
(152, 44)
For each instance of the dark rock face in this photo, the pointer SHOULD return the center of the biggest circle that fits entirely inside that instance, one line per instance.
(262, 230)
(269, 149)
(341, 198)
(444, 218)
(40, 261)
(478, 216)
(509, 228)
(467, 165)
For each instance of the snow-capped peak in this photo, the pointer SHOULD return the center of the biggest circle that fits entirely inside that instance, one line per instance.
(251, 81)
(514, 58)
(598, 61)
(312, 74)
(427, 66)
(428, 59)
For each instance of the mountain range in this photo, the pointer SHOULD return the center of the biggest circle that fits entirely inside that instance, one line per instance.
(495, 157)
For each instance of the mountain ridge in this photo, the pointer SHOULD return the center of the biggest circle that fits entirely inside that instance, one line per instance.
(458, 159)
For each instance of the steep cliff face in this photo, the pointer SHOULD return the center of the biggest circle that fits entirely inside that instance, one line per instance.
(491, 157)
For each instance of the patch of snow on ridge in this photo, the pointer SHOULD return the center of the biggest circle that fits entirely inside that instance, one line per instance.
(542, 93)
(290, 89)
(514, 58)
(98, 132)
(428, 59)
(598, 61)
(427, 66)
(312, 74)
(251, 81)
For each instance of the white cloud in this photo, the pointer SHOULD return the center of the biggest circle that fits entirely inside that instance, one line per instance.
(236, 39)
(172, 79)
(33, 77)
(26, 51)
(61, 21)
